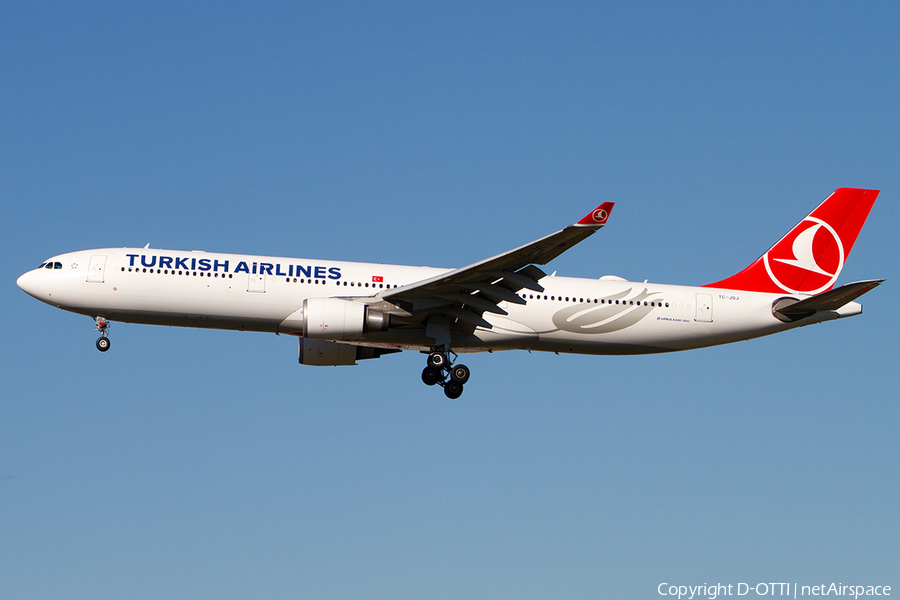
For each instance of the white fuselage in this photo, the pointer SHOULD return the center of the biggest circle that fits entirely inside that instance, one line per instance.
(257, 293)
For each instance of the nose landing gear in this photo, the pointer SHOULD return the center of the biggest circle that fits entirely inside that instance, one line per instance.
(102, 325)
(443, 372)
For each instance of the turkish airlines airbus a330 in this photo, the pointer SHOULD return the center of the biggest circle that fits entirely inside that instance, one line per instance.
(345, 311)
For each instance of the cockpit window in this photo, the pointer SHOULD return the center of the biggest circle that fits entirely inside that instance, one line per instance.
(49, 265)
(57, 265)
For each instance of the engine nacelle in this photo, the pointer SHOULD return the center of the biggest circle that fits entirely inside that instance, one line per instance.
(333, 354)
(337, 319)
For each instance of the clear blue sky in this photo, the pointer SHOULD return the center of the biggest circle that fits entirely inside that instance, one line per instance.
(204, 464)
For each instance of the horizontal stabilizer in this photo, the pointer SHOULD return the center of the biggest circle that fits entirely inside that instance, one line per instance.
(831, 300)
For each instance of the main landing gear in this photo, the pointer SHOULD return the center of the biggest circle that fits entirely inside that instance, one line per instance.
(443, 372)
(102, 325)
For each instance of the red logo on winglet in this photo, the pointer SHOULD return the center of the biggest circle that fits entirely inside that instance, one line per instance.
(598, 216)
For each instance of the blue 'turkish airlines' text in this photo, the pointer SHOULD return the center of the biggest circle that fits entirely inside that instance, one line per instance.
(222, 266)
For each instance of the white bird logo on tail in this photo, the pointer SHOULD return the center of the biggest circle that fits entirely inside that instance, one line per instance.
(803, 257)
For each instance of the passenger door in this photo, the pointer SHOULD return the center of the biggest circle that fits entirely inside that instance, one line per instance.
(96, 270)
(256, 283)
(704, 308)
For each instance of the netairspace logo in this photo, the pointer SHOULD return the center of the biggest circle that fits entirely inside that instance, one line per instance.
(793, 590)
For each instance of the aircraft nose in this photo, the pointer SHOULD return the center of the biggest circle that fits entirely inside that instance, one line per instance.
(28, 283)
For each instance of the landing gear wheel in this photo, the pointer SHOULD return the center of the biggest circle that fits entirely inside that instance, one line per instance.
(438, 360)
(459, 374)
(102, 325)
(440, 371)
(431, 376)
(453, 389)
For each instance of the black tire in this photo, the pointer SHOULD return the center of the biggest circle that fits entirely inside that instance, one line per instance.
(460, 374)
(437, 360)
(103, 344)
(431, 376)
(453, 389)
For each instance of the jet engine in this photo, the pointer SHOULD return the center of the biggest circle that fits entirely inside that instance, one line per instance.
(337, 319)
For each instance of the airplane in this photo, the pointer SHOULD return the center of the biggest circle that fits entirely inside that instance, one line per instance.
(343, 312)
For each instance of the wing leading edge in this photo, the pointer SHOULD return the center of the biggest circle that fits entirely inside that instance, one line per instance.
(467, 293)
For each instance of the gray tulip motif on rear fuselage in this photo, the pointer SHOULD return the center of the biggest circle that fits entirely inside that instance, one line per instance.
(606, 317)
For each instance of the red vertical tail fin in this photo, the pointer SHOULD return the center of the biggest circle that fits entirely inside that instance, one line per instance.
(810, 257)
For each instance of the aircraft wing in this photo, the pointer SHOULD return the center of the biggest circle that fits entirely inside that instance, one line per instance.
(469, 292)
